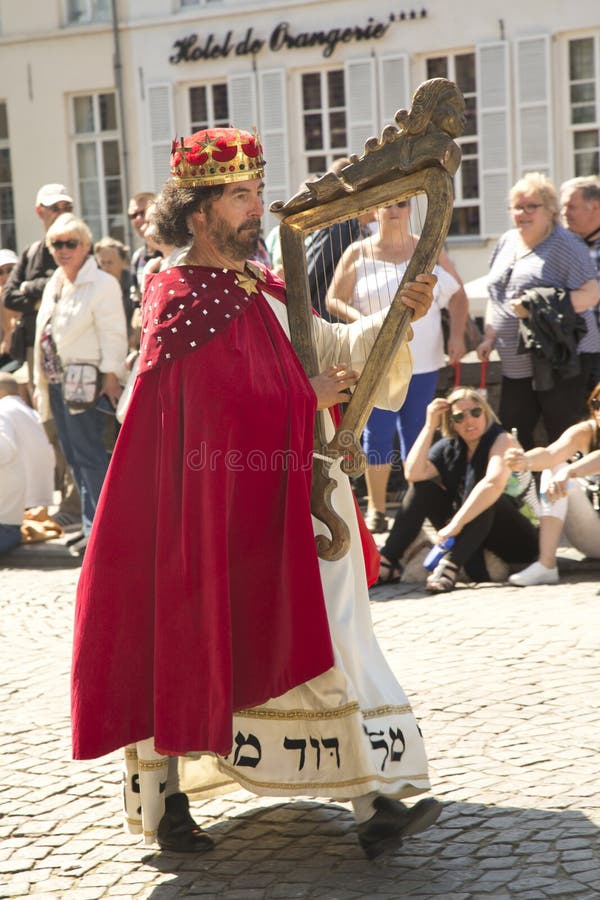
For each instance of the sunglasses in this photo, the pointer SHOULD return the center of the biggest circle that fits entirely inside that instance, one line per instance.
(70, 244)
(458, 417)
(595, 403)
(137, 214)
(526, 208)
(60, 207)
(6, 270)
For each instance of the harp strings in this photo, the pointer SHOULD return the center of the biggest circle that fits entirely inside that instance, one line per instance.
(371, 256)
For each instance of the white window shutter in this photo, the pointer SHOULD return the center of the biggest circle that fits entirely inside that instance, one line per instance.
(241, 93)
(494, 131)
(274, 136)
(361, 105)
(394, 89)
(162, 131)
(534, 105)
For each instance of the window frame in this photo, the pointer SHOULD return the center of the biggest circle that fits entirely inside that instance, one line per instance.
(8, 227)
(90, 15)
(574, 128)
(460, 201)
(328, 151)
(98, 136)
(211, 120)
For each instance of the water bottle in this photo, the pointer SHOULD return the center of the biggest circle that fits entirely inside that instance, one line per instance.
(436, 553)
(514, 488)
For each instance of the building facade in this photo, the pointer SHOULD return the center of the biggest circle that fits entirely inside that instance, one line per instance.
(92, 92)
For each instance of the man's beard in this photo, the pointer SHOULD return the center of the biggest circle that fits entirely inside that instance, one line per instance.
(240, 243)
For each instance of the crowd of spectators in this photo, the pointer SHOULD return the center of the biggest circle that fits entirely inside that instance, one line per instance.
(68, 301)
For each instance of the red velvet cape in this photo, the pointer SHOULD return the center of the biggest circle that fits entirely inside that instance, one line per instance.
(200, 591)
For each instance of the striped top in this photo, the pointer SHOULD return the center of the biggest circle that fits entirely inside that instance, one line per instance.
(590, 343)
(562, 260)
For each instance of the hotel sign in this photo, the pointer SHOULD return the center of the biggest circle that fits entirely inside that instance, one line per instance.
(194, 47)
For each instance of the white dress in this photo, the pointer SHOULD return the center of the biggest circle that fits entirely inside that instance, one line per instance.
(376, 284)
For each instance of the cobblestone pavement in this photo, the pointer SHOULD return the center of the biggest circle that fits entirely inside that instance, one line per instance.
(505, 682)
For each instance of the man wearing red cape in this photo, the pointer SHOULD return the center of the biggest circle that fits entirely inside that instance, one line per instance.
(210, 641)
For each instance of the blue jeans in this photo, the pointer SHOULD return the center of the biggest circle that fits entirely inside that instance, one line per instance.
(378, 437)
(10, 537)
(81, 436)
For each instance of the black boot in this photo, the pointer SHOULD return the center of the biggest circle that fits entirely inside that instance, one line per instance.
(393, 820)
(177, 830)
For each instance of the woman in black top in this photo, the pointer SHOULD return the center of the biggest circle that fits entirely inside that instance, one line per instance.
(458, 484)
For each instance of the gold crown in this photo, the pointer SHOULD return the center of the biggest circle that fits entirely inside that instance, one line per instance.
(217, 156)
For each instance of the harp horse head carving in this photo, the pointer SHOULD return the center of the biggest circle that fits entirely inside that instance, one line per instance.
(416, 155)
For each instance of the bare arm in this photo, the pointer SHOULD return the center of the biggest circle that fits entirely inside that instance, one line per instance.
(585, 296)
(417, 466)
(489, 339)
(576, 438)
(458, 311)
(338, 299)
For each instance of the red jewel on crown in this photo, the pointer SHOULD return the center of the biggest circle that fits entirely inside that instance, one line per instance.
(216, 156)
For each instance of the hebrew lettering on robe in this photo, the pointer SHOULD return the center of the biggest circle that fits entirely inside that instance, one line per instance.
(396, 751)
(245, 742)
(378, 745)
(328, 743)
(292, 744)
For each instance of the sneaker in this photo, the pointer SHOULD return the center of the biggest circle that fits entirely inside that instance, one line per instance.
(536, 573)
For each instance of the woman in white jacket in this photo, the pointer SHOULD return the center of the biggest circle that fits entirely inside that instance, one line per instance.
(80, 320)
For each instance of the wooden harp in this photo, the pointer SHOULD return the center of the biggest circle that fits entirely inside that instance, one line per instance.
(416, 156)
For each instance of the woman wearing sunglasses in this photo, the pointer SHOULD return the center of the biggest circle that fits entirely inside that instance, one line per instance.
(80, 320)
(458, 484)
(567, 505)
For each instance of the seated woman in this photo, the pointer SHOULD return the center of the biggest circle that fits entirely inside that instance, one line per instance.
(566, 509)
(458, 484)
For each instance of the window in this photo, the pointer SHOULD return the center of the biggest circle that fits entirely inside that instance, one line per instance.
(584, 74)
(8, 237)
(79, 11)
(188, 3)
(460, 68)
(324, 118)
(209, 106)
(98, 161)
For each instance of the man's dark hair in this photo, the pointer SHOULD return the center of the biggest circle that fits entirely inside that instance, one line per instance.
(173, 206)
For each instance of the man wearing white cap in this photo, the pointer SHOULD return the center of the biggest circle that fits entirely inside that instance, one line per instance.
(23, 294)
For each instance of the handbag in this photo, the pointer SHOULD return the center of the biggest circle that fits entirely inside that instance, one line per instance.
(18, 343)
(81, 385)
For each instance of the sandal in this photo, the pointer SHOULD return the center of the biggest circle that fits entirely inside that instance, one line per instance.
(376, 522)
(443, 578)
(389, 572)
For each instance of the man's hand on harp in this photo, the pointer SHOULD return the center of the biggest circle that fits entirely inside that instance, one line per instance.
(418, 295)
(332, 386)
